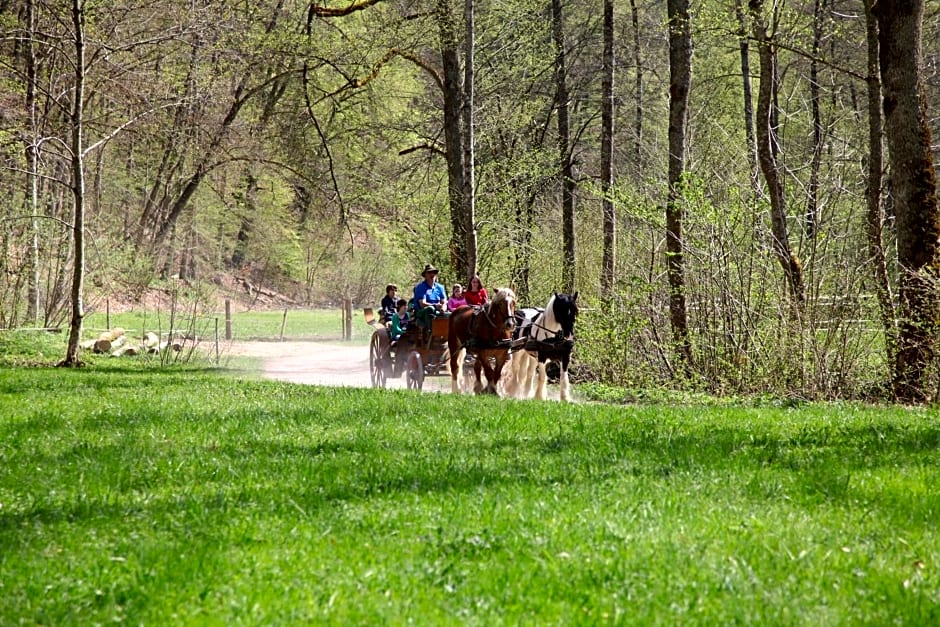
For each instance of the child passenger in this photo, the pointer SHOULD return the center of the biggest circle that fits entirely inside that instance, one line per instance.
(399, 319)
(456, 299)
(387, 308)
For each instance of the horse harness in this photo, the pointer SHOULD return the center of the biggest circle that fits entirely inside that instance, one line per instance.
(552, 347)
(476, 343)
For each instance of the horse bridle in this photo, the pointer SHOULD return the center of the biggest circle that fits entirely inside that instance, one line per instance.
(485, 310)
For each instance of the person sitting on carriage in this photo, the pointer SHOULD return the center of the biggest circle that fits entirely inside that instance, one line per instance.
(430, 297)
(475, 294)
(399, 320)
(456, 299)
(389, 303)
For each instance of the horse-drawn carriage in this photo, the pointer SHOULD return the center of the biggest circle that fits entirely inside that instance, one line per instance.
(488, 336)
(417, 353)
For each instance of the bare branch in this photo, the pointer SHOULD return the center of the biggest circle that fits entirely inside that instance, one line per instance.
(116, 131)
(317, 11)
(431, 147)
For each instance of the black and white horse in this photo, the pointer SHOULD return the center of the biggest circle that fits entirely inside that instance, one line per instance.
(547, 335)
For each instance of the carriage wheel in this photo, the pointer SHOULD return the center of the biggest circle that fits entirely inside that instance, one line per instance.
(378, 355)
(415, 371)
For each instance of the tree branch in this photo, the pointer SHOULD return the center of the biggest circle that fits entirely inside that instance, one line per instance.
(433, 148)
(317, 11)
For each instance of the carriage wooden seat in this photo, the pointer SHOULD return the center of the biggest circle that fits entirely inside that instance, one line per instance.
(439, 327)
(369, 316)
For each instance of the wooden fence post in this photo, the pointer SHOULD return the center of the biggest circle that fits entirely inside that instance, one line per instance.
(228, 319)
(347, 319)
(283, 324)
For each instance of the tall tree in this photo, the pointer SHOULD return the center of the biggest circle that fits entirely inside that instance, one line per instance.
(609, 264)
(638, 95)
(680, 80)
(767, 150)
(875, 206)
(562, 98)
(914, 188)
(744, 49)
(453, 136)
(77, 153)
(812, 195)
(468, 266)
(32, 163)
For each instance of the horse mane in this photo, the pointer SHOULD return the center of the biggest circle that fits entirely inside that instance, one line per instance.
(503, 293)
(547, 325)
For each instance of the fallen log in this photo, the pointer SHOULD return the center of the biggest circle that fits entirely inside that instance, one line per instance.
(106, 341)
(111, 346)
(253, 289)
(127, 349)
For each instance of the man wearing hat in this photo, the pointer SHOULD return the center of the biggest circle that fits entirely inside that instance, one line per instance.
(430, 297)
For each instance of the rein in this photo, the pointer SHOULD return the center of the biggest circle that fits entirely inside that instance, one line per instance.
(559, 334)
(474, 342)
(485, 310)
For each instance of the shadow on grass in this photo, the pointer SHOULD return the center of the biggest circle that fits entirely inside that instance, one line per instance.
(295, 466)
(139, 376)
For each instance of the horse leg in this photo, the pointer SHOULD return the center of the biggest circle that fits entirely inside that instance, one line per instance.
(563, 383)
(477, 367)
(498, 371)
(515, 379)
(522, 373)
(540, 390)
(533, 374)
(466, 382)
(509, 383)
(455, 365)
(490, 374)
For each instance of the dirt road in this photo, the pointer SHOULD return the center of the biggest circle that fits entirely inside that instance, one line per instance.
(317, 363)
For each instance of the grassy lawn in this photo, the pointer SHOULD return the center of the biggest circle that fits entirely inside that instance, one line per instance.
(188, 496)
(306, 324)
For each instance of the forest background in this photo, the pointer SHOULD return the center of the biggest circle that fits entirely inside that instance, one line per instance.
(727, 233)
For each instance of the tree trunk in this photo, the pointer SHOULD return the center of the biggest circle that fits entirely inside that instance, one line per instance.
(914, 188)
(875, 212)
(609, 264)
(638, 61)
(812, 192)
(569, 265)
(680, 80)
(34, 307)
(469, 266)
(522, 256)
(766, 150)
(748, 98)
(78, 188)
(453, 137)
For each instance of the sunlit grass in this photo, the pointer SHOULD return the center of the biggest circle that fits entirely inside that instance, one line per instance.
(297, 324)
(186, 496)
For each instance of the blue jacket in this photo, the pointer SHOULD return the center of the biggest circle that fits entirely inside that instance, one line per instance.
(432, 294)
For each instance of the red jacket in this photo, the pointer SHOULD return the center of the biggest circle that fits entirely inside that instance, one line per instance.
(476, 298)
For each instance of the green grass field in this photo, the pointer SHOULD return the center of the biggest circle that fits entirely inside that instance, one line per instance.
(187, 496)
(306, 324)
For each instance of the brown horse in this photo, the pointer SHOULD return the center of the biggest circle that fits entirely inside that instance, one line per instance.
(485, 332)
